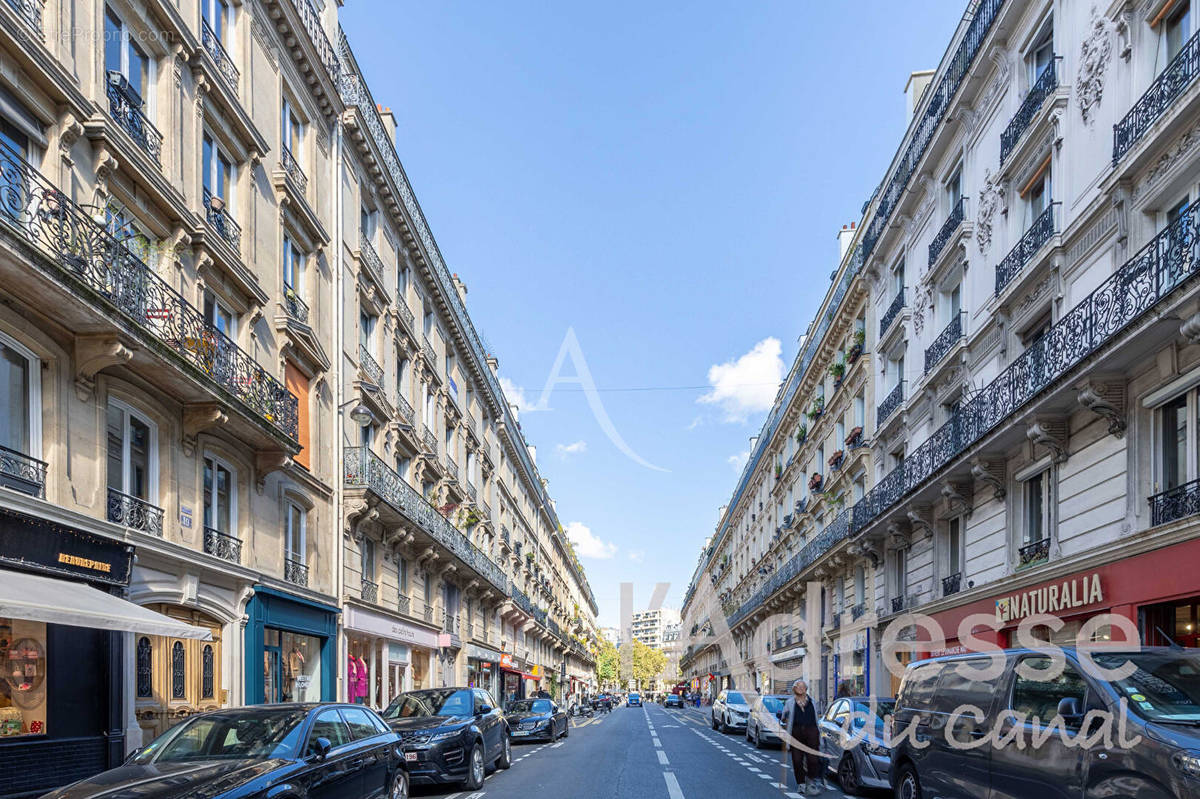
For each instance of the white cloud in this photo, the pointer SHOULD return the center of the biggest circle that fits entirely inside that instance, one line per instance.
(738, 461)
(637, 555)
(516, 396)
(748, 384)
(587, 544)
(575, 448)
(699, 420)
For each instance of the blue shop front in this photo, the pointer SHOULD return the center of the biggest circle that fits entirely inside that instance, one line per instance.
(291, 648)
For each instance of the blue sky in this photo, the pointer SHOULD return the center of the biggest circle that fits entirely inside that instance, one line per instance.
(667, 181)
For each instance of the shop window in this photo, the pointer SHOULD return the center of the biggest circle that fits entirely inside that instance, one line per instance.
(292, 667)
(23, 694)
(178, 671)
(145, 669)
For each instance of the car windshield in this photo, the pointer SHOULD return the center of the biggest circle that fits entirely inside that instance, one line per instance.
(634, 696)
(883, 707)
(444, 702)
(530, 706)
(1165, 687)
(734, 698)
(773, 704)
(228, 736)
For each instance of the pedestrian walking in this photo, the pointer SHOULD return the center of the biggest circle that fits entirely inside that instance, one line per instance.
(800, 722)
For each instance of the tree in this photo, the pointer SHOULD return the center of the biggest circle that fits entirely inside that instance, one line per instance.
(648, 663)
(606, 662)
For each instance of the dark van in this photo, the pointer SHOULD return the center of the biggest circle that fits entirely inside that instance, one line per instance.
(1162, 693)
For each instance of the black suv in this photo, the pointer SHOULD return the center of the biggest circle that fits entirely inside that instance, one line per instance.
(1161, 692)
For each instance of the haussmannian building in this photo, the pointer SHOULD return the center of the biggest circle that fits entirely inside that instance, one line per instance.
(1023, 282)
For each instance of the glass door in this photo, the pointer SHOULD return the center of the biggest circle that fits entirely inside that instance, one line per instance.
(273, 675)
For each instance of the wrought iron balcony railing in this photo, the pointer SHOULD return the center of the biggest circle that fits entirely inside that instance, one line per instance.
(404, 604)
(1175, 503)
(134, 122)
(858, 611)
(471, 492)
(452, 467)
(405, 409)
(368, 590)
(222, 545)
(1158, 99)
(951, 584)
(31, 12)
(893, 310)
(429, 440)
(216, 51)
(427, 350)
(952, 223)
(370, 366)
(293, 172)
(897, 604)
(221, 221)
(22, 472)
(1042, 88)
(450, 623)
(1040, 232)
(134, 513)
(295, 572)
(109, 272)
(405, 313)
(427, 613)
(364, 469)
(1035, 553)
(370, 257)
(296, 308)
(945, 341)
(890, 403)
(311, 19)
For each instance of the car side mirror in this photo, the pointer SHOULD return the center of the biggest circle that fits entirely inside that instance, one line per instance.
(484, 710)
(134, 754)
(322, 747)
(1069, 709)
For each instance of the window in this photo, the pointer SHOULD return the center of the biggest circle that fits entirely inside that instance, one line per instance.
(1177, 28)
(898, 278)
(952, 302)
(125, 228)
(219, 316)
(954, 543)
(402, 575)
(218, 172)
(860, 410)
(123, 56)
(366, 436)
(330, 726)
(132, 449)
(360, 723)
(366, 329)
(220, 496)
(217, 16)
(403, 377)
(367, 559)
(23, 657)
(428, 323)
(294, 544)
(1178, 457)
(1040, 55)
(899, 572)
(20, 392)
(1039, 695)
(403, 463)
(1038, 194)
(953, 189)
(293, 267)
(401, 278)
(860, 585)
(1037, 508)
(292, 129)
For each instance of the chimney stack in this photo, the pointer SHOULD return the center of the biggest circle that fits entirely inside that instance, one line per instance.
(532, 453)
(460, 287)
(845, 236)
(389, 121)
(913, 90)
(493, 364)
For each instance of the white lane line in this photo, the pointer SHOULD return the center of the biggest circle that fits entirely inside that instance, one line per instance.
(560, 743)
(673, 789)
(765, 776)
(657, 744)
(755, 769)
(793, 795)
(475, 795)
(662, 757)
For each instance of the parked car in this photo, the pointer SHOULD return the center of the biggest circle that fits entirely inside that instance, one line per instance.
(536, 718)
(729, 712)
(1162, 695)
(260, 751)
(758, 730)
(633, 700)
(673, 700)
(853, 740)
(450, 735)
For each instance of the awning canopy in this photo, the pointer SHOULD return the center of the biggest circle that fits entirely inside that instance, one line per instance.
(34, 598)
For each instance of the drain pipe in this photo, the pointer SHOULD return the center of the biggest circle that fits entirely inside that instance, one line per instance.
(339, 545)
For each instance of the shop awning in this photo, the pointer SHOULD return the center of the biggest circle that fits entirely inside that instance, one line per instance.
(34, 598)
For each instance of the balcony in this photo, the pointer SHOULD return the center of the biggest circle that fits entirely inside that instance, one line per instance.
(429, 440)
(405, 313)
(427, 613)
(370, 367)
(897, 604)
(1175, 503)
(23, 473)
(951, 584)
(952, 223)
(297, 309)
(31, 12)
(404, 604)
(449, 623)
(216, 51)
(405, 410)
(364, 470)
(945, 341)
(452, 468)
(134, 513)
(295, 572)
(893, 310)
(1040, 232)
(471, 492)
(1158, 99)
(858, 611)
(368, 590)
(130, 118)
(311, 19)
(427, 351)
(890, 403)
(219, 219)
(222, 545)
(1042, 88)
(1033, 554)
(370, 258)
(292, 171)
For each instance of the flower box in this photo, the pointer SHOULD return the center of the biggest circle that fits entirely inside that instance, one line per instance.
(854, 438)
(814, 482)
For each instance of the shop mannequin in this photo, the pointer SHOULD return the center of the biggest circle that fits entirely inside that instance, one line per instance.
(357, 677)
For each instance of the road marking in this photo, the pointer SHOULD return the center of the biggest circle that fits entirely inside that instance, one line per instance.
(791, 795)
(560, 743)
(753, 768)
(662, 757)
(765, 776)
(673, 789)
(475, 795)
(657, 744)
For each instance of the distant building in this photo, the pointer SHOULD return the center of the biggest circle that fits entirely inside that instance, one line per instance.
(649, 626)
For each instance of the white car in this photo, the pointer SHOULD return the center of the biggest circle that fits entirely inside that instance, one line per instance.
(730, 711)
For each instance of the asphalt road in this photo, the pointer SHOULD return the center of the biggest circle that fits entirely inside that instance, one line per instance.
(641, 753)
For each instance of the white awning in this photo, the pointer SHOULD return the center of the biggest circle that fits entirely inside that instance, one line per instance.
(34, 598)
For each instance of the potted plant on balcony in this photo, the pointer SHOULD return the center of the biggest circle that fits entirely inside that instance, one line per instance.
(814, 482)
(778, 470)
(801, 433)
(835, 460)
(854, 438)
(838, 370)
(857, 342)
(816, 409)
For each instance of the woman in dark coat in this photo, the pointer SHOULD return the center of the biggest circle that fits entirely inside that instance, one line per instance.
(800, 723)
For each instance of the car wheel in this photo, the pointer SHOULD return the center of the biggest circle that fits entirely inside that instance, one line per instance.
(474, 780)
(505, 759)
(757, 738)
(712, 719)
(907, 784)
(566, 728)
(848, 775)
(399, 785)
(724, 724)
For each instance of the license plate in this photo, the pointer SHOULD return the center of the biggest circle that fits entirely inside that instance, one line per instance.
(520, 732)
(410, 757)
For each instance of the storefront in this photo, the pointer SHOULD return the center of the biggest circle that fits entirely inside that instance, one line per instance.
(483, 669)
(290, 648)
(61, 607)
(516, 682)
(1157, 592)
(385, 655)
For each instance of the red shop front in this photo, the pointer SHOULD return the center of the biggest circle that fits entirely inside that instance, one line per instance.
(1158, 591)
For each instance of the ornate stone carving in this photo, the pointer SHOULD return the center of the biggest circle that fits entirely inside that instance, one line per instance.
(992, 198)
(999, 57)
(1181, 149)
(958, 497)
(1051, 434)
(991, 474)
(93, 353)
(1094, 54)
(922, 301)
(197, 418)
(918, 516)
(267, 461)
(1108, 401)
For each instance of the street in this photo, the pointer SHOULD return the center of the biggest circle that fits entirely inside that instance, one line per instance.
(640, 752)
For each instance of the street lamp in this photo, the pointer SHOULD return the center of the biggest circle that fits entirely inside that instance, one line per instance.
(361, 415)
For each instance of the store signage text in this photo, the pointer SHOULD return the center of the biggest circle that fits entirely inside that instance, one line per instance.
(84, 563)
(1075, 593)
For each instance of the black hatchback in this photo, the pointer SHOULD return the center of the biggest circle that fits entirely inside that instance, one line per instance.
(305, 751)
(450, 735)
